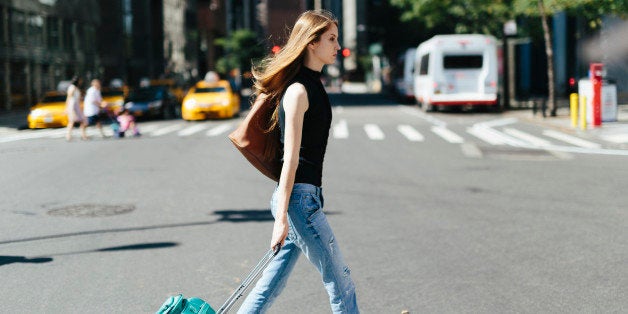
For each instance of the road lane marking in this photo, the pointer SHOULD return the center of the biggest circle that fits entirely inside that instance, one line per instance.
(192, 129)
(413, 111)
(166, 130)
(410, 133)
(219, 129)
(615, 138)
(374, 132)
(485, 132)
(447, 135)
(341, 130)
(527, 137)
(571, 139)
(31, 134)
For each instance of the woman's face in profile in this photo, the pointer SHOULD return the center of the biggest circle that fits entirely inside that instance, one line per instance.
(327, 47)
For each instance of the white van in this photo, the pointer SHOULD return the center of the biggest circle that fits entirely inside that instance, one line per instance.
(456, 70)
(404, 77)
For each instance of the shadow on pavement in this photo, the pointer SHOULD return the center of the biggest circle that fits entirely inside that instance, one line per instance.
(244, 215)
(103, 231)
(5, 260)
(132, 247)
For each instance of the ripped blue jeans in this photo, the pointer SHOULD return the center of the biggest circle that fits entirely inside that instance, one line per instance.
(310, 233)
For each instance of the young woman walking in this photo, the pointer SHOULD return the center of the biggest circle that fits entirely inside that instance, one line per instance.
(292, 81)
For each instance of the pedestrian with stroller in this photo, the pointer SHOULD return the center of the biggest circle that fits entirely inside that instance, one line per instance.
(291, 80)
(126, 122)
(93, 106)
(73, 109)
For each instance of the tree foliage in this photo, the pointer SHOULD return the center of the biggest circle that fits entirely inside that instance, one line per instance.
(590, 10)
(458, 16)
(240, 50)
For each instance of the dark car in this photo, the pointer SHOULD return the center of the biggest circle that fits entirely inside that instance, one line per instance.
(152, 101)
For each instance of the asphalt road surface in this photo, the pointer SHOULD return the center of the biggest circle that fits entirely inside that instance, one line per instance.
(435, 213)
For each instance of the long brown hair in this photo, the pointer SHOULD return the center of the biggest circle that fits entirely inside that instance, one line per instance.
(274, 73)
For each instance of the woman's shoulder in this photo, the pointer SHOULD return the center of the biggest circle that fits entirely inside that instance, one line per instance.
(296, 89)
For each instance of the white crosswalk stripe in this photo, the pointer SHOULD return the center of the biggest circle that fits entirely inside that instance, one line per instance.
(570, 139)
(447, 135)
(219, 129)
(527, 137)
(410, 133)
(166, 130)
(493, 136)
(192, 129)
(341, 130)
(493, 132)
(32, 134)
(374, 132)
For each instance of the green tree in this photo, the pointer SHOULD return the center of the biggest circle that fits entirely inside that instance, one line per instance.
(240, 50)
(591, 10)
(458, 16)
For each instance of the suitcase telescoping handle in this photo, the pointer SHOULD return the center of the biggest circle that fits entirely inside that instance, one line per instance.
(249, 279)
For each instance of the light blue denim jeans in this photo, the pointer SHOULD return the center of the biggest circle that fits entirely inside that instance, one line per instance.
(310, 233)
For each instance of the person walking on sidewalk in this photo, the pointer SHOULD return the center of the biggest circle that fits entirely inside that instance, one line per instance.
(292, 81)
(93, 106)
(73, 109)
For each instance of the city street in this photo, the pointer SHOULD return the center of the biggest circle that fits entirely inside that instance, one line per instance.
(446, 212)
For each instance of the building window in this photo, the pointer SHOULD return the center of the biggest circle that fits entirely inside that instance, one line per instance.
(35, 30)
(68, 35)
(2, 39)
(52, 26)
(18, 29)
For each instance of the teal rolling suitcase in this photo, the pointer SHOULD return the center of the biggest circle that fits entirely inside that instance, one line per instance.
(179, 305)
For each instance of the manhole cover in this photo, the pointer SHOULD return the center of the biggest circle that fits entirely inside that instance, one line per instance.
(91, 210)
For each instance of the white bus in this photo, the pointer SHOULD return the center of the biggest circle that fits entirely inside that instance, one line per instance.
(456, 70)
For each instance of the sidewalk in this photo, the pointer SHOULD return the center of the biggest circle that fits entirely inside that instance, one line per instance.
(614, 133)
(15, 119)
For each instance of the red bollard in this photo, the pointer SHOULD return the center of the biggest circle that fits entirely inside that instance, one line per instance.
(595, 74)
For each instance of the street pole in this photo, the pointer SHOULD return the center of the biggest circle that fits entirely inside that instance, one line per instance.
(550, 59)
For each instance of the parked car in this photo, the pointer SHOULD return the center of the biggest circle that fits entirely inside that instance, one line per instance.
(209, 99)
(49, 111)
(114, 97)
(174, 89)
(152, 101)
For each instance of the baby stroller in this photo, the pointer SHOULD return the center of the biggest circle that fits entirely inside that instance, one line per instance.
(123, 122)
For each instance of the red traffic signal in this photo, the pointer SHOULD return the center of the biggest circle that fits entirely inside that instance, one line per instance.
(346, 52)
(275, 49)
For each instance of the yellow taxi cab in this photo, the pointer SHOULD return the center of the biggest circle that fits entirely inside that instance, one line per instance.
(114, 97)
(49, 112)
(210, 99)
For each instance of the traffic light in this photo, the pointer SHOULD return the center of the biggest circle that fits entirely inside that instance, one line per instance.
(346, 52)
(275, 49)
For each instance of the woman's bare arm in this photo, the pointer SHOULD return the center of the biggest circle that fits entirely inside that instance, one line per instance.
(295, 105)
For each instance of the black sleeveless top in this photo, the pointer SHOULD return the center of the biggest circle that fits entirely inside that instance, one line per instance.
(316, 125)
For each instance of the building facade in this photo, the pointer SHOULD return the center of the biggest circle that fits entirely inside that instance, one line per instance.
(44, 42)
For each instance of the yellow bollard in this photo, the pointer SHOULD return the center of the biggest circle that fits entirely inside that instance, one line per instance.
(573, 109)
(583, 113)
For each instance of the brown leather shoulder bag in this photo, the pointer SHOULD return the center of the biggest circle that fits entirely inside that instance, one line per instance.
(260, 146)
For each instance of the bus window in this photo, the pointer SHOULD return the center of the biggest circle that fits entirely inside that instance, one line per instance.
(463, 62)
(424, 66)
